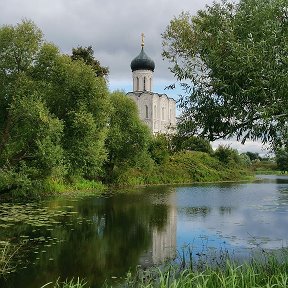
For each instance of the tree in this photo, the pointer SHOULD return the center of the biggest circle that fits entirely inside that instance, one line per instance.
(30, 135)
(86, 55)
(53, 111)
(128, 137)
(227, 155)
(80, 100)
(253, 156)
(231, 60)
(159, 148)
(282, 159)
(191, 143)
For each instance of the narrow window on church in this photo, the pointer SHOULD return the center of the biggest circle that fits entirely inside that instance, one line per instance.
(137, 84)
(150, 84)
(147, 112)
(155, 112)
(163, 113)
(144, 84)
(170, 115)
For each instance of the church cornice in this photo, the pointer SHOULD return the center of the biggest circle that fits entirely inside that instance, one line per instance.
(140, 93)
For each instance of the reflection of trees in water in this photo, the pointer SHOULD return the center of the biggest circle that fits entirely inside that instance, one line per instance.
(121, 230)
(105, 239)
(202, 211)
(283, 180)
(223, 210)
(283, 197)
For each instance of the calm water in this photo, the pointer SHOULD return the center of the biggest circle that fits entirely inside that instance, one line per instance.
(100, 238)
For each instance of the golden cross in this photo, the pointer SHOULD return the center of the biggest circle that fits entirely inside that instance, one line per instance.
(142, 43)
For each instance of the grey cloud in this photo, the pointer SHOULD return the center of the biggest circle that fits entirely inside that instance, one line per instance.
(113, 28)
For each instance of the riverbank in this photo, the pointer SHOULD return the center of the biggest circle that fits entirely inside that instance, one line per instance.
(185, 167)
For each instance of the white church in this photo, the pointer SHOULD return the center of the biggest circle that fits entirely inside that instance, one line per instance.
(158, 111)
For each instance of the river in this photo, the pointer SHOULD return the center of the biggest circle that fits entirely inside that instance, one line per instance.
(103, 237)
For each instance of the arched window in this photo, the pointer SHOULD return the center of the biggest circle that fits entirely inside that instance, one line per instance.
(144, 84)
(146, 111)
(137, 84)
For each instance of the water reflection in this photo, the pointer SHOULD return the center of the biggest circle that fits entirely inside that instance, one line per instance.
(163, 238)
(100, 238)
(240, 218)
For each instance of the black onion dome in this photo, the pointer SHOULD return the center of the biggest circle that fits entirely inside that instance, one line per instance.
(142, 62)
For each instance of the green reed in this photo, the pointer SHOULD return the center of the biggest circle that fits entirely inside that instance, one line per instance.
(267, 270)
(66, 284)
(7, 254)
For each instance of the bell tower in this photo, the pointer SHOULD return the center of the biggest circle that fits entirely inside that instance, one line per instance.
(142, 68)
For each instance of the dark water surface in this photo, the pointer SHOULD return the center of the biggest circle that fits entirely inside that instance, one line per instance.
(100, 238)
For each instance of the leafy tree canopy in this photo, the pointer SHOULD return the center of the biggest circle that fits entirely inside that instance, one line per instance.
(128, 137)
(191, 143)
(282, 159)
(86, 54)
(53, 111)
(231, 59)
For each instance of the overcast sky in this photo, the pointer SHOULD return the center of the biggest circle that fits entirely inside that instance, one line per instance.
(113, 28)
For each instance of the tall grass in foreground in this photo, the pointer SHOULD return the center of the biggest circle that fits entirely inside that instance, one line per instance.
(66, 284)
(7, 253)
(269, 272)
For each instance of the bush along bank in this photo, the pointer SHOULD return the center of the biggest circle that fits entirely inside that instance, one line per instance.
(184, 168)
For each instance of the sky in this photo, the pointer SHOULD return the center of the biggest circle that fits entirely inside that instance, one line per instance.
(113, 29)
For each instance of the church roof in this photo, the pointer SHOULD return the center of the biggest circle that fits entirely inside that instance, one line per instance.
(142, 62)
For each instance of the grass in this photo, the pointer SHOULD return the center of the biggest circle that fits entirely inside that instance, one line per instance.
(7, 253)
(66, 284)
(269, 272)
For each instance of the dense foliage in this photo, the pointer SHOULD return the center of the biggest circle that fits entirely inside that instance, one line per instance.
(128, 137)
(282, 159)
(231, 60)
(54, 112)
(86, 55)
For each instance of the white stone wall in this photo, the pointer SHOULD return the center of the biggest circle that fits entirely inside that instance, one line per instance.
(142, 80)
(158, 111)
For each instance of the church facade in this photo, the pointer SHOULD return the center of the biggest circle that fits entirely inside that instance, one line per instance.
(158, 111)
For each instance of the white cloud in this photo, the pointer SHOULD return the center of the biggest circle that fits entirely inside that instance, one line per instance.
(251, 146)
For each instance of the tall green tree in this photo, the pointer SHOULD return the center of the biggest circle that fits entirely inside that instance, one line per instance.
(30, 135)
(282, 159)
(53, 111)
(231, 59)
(128, 137)
(80, 100)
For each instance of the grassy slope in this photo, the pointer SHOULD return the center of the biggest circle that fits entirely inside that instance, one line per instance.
(186, 167)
